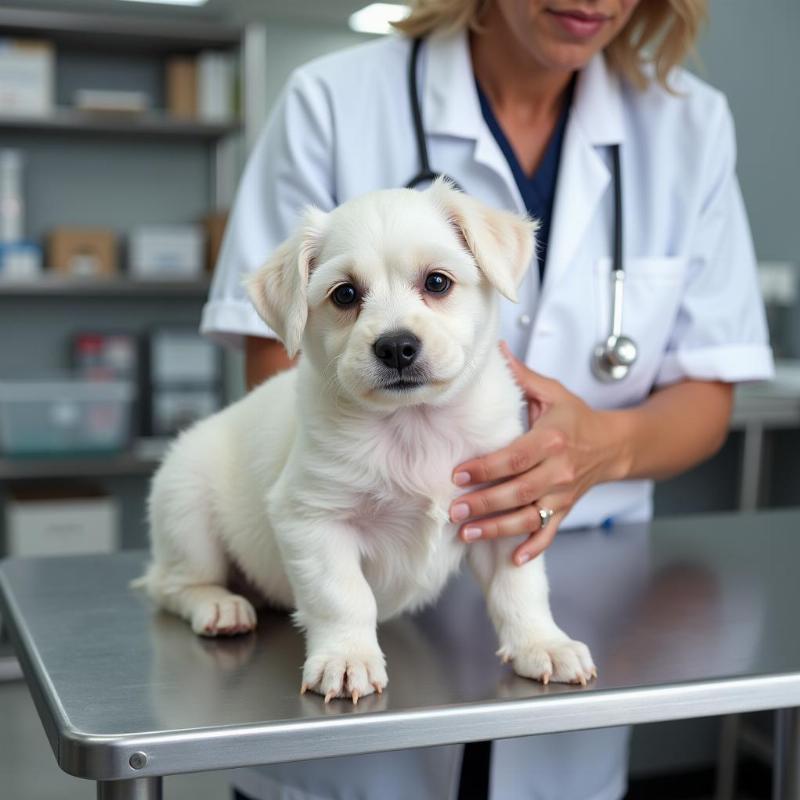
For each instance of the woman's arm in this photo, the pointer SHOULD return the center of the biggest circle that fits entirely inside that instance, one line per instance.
(263, 358)
(572, 447)
(674, 429)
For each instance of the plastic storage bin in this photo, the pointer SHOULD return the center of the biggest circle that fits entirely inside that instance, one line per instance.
(64, 417)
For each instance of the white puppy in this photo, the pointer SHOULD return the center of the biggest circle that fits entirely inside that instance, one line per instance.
(328, 486)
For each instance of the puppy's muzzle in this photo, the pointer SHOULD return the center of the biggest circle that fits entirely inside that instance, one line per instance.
(397, 350)
(399, 369)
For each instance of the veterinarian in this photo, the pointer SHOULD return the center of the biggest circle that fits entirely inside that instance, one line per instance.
(575, 111)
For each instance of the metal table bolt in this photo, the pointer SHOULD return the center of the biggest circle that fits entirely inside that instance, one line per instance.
(138, 760)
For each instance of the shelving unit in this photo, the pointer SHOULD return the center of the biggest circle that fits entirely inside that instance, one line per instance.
(142, 459)
(52, 286)
(10, 669)
(118, 171)
(104, 31)
(150, 124)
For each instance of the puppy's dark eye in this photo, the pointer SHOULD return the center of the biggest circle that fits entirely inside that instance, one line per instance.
(437, 283)
(345, 295)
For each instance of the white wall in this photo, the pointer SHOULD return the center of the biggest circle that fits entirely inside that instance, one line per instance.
(290, 45)
(750, 52)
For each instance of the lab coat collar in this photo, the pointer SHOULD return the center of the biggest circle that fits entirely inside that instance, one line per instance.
(597, 105)
(451, 106)
(450, 99)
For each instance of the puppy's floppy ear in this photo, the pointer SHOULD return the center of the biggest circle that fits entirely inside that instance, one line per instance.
(501, 242)
(278, 290)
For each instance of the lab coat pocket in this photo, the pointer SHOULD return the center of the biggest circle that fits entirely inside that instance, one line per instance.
(652, 297)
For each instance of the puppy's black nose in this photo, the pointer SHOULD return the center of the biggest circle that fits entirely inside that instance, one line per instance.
(397, 349)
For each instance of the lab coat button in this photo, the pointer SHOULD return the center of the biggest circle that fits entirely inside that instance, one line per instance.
(524, 320)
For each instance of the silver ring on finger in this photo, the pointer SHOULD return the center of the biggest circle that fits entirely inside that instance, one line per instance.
(545, 515)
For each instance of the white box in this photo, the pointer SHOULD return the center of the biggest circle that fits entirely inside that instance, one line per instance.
(167, 252)
(26, 76)
(176, 409)
(182, 357)
(112, 101)
(215, 78)
(62, 524)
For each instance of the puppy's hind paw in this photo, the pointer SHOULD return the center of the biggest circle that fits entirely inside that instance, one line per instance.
(558, 660)
(350, 675)
(228, 616)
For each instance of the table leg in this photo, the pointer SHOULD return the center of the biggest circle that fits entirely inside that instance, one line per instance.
(133, 789)
(786, 771)
(752, 463)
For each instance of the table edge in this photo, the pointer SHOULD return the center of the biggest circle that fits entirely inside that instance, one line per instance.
(54, 719)
(106, 757)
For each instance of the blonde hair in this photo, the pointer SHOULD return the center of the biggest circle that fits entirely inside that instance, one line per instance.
(660, 32)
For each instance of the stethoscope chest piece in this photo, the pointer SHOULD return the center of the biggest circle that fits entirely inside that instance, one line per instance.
(613, 358)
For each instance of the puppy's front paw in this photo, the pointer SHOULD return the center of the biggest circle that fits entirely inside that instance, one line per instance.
(350, 673)
(223, 617)
(545, 660)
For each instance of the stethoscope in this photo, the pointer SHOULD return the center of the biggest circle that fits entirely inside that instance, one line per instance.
(613, 357)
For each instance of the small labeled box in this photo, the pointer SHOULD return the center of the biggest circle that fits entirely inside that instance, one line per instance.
(167, 252)
(63, 416)
(26, 76)
(55, 521)
(83, 252)
(214, 226)
(182, 87)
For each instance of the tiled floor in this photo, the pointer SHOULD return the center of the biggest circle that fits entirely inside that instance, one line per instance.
(28, 770)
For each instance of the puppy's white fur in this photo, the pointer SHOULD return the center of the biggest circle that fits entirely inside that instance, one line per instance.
(329, 492)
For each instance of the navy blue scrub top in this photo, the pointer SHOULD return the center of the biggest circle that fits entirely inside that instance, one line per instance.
(538, 190)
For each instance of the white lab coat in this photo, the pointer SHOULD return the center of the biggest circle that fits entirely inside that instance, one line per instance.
(342, 128)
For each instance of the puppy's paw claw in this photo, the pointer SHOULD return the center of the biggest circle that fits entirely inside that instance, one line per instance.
(558, 660)
(351, 676)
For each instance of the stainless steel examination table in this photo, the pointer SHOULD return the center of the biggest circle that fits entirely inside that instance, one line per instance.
(688, 617)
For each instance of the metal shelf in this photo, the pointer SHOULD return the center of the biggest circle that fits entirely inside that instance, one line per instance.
(149, 124)
(9, 666)
(138, 461)
(113, 31)
(55, 286)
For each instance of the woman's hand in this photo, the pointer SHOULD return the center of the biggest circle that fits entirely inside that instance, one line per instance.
(569, 448)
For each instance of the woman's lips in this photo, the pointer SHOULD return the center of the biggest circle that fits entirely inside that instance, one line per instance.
(579, 25)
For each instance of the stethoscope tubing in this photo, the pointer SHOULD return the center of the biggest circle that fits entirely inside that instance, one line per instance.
(425, 174)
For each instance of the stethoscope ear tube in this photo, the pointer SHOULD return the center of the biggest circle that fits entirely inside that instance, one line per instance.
(425, 174)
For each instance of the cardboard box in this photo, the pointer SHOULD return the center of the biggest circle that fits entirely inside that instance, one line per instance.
(182, 87)
(167, 252)
(26, 76)
(214, 226)
(60, 521)
(83, 252)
